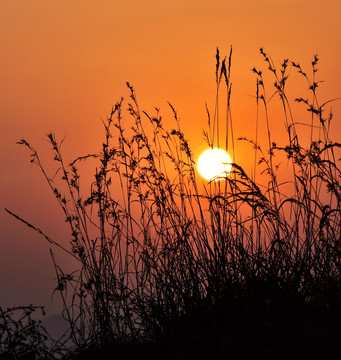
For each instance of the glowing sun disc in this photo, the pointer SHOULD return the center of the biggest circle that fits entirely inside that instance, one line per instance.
(214, 164)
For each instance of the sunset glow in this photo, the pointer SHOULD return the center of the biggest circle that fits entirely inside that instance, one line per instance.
(170, 174)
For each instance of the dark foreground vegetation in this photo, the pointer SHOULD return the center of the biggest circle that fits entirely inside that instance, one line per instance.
(247, 267)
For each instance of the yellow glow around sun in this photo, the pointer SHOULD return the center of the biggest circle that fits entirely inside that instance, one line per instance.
(214, 164)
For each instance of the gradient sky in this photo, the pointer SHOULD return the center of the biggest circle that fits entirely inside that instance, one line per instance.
(63, 64)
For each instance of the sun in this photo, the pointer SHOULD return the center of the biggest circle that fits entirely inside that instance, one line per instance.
(214, 164)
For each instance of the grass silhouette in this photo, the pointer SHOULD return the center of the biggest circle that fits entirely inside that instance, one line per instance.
(247, 267)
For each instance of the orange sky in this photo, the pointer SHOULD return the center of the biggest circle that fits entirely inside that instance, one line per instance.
(63, 64)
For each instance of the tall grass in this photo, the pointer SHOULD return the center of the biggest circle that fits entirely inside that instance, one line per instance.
(183, 269)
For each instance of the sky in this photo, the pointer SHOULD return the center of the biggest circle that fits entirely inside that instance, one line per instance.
(64, 64)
